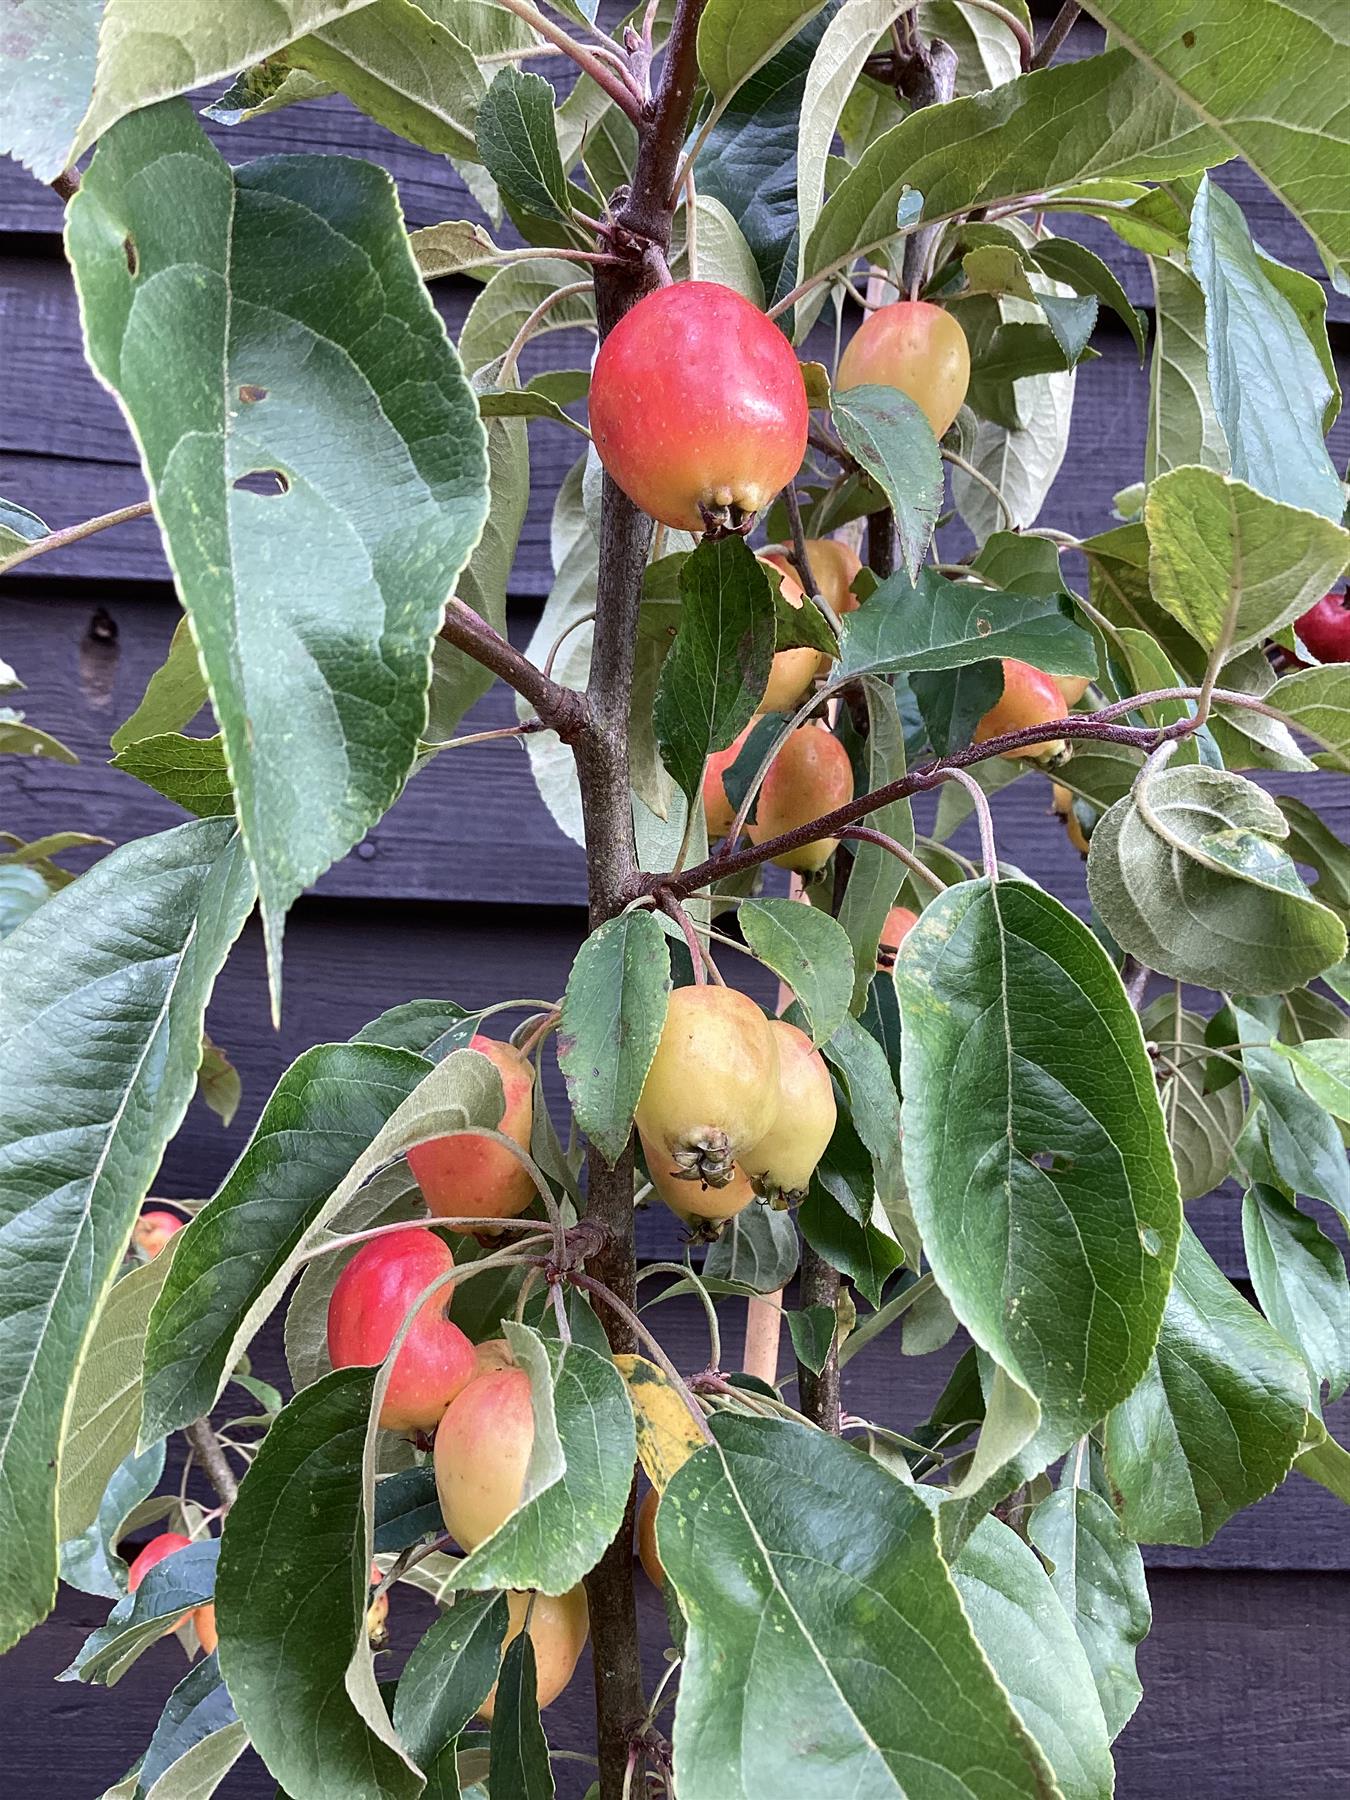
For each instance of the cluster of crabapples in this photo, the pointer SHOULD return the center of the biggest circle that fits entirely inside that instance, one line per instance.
(710, 455)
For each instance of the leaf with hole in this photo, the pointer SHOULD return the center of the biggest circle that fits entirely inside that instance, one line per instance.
(214, 283)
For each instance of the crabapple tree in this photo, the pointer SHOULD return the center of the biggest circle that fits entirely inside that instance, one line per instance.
(813, 610)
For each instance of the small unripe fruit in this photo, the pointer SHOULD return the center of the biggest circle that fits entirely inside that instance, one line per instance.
(646, 1539)
(1325, 629)
(482, 1449)
(712, 1088)
(559, 1628)
(810, 775)
(694, 1203)
(780, 1165)
(369, 1302)
(1029, 697)
(900, 921)
(698, 407)
(153, 1230)
(1072, 688)
(836, 567)
(168, 1543)
(916, 347)
(466, 1176)
(792, 671)
(1062, 801)
(718, 809)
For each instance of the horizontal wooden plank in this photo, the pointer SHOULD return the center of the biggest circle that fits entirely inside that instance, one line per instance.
(67, 468)
(431, 190)
(1246, 1684)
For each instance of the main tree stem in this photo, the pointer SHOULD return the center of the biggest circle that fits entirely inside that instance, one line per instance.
(638, 230)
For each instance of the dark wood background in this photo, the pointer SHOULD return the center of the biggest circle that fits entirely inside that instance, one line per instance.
(467, 889)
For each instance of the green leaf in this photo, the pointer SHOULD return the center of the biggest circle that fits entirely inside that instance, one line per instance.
(809, 951)
(578, 1476)
(262, 89)
(450, 1674)
(820, 1616)
(812, 1329)
(875, 879)
(1269, 390)
(718, 667)
(1036, 1156)
(1231, 564)
(197, 1711)
(1012, 1605)
(456, 247)
(296, 1532)
(340, 1113)
(1323, 1069)
(17, 738)
(757, 1250)
(104, 1407)
(1217, 1419)
(1201, 890)
(941, 624)
(861, 1252)
(1182, 425)
(18, 527)
(1098, 1574)
(890, 436)
(1301, 1136)
(433, 1028)
(1327, 1463)
(733, 43)
(519, 1749)
(1086, 273)
(104, 987)
(367, 382)
(406, 1508)
(612, 1015)
(1202, 1127)
(1312, 841)
(1271, 94)
(405, 70)
(850, 37)
(173, 696)
(1318, 701)
(189, 771)
(174, 1586)
(1300, 1281)
(1104, 116)
(53, 105)
(89, 1560)
(874, 1105)
(1071, 319)
(723, 254)
(518, 143)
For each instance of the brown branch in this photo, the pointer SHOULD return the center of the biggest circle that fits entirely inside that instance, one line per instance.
(562, 709)
(1060, 27)
(639, 223)
(818, 1285)
(206, 1448)
(917, 781)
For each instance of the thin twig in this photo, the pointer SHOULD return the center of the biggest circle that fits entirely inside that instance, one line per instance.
(709, 1309)
(980, 800)
(865, 834)
(672, 908)
(587, 618)
(1059, 28)
(634, 1324)
(802, 562)
(72, 534)
(1014, 25)
(560, 708)
(526, 728)
(978, 475)
(568, 291)
(206, 1448)
(462, 1226)
(603, 77)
